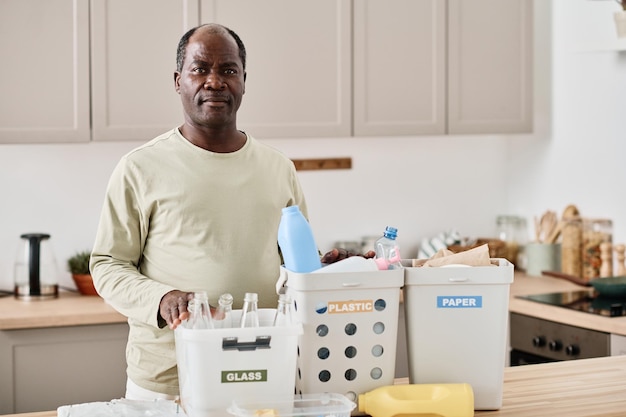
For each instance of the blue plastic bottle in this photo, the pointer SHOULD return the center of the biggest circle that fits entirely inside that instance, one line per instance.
(296, 242)
(387, 249)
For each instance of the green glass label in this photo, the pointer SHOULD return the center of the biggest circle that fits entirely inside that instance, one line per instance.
(254, 375)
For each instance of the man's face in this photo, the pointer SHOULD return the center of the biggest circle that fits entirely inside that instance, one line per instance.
(212, 81)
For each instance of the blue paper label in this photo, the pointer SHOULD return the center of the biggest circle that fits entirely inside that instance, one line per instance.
(459, 301)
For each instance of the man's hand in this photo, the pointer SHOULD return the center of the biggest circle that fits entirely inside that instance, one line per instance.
(339, 254)
(173, 307)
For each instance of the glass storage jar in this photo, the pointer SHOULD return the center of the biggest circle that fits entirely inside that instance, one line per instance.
(513, 231)
(571, 246)
(594, 233)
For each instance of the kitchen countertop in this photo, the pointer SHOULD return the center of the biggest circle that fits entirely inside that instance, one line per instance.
(69, 309)
(582, 388)
(72, 309)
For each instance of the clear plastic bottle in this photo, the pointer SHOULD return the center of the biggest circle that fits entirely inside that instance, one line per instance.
(250, 310)
(296, 241)
(199, 312)
(387, 249)
(223, 313)
(284, 312)
(450, 399)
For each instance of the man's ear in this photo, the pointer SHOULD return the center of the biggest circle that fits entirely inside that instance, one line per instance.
(176, 83)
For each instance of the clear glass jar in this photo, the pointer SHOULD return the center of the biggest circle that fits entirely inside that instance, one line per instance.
(571, 246)
(594, 233)
(514, 232)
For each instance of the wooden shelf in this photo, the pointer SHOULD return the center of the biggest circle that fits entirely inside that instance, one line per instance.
(322, 163)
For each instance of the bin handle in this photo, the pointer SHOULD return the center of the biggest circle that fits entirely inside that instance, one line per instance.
(233, 343)
(458, 279)
(351, 284)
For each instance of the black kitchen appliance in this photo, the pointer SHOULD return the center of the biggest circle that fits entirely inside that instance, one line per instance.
(35, 270)
(535, 340)
(588, 301)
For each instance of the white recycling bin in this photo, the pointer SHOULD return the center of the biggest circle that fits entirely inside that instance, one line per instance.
(456, 323)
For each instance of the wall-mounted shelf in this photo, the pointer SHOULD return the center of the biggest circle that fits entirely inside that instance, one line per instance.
(323, 163)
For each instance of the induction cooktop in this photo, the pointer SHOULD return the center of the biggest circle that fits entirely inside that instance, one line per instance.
(586, 301)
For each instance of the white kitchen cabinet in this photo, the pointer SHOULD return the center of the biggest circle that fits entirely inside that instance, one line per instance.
(490, 62)
(399, 67)
(442, 67)
(44, 79)
(298, 67)
(51, 89)
(44, 368)
(103, 69)
(133, 59)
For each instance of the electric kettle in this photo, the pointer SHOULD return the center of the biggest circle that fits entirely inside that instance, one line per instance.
(35, 271)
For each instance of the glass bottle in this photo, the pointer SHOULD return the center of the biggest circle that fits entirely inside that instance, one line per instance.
(223, 313)
(199, 312)
(249, 312)
(284, 311)
(387, 249)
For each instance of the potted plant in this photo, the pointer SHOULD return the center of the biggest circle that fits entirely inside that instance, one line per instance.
(79, 268)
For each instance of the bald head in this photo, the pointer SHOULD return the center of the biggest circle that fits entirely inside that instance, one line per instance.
(208, 28)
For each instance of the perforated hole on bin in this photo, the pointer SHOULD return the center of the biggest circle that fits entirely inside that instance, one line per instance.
(350, 352)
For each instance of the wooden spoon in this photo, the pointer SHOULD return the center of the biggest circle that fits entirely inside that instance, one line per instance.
(570, 212)
(554, 235)
(545, 226)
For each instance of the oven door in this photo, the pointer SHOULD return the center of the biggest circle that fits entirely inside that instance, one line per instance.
(519, 357)
(534, 340)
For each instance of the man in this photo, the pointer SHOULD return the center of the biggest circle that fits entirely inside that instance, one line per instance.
(196, 208)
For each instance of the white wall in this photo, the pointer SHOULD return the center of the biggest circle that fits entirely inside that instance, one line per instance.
(422, 185)
(577, 155)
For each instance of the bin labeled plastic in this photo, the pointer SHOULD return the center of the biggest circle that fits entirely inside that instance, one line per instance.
(350, 327)
(217, 366)
(456, 323)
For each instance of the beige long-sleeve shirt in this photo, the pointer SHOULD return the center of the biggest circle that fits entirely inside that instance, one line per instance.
(177, 216)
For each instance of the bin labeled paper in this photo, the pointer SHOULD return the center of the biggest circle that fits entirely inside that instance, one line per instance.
(456, 321)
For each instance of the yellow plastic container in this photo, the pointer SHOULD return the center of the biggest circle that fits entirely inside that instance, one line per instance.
(419, 400)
